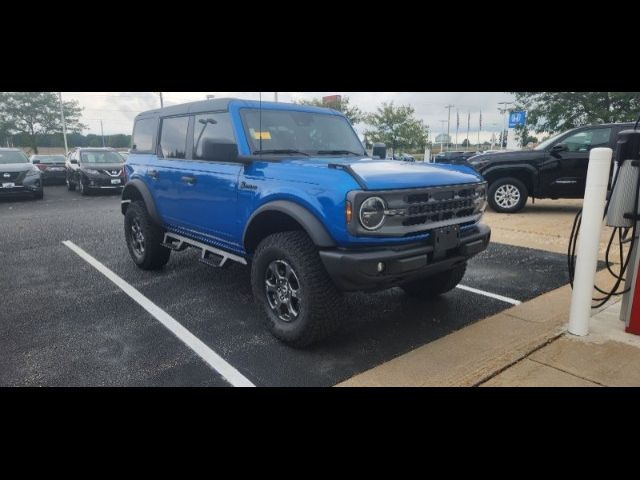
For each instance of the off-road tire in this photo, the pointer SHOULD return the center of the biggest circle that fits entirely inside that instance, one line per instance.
(320, 300)
(438, 284)
(154, 256)
(506, 183)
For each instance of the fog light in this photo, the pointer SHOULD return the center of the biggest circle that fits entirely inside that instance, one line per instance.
(380, 267)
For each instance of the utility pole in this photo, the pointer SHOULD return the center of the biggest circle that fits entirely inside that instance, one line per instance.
(468, 128)
(102, 133)
(479, 129)
(457, 126)
(504, 110)
(442, 136)
(449, 107)
(161, 100)
(64, 125)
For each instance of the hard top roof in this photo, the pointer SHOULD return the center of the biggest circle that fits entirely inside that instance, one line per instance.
(222, 104)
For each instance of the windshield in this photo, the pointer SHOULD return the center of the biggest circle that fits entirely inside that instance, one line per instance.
(13, 157)
(545, 143)
(49, 158)
(309, 133)
(101, 157)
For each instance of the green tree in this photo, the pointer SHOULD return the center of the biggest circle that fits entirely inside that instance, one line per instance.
(466, 142)
(397, 127)
(38, 113)
(523, 136)
(352, 112)
(558, 111)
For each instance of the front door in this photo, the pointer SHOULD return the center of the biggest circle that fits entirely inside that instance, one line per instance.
(207, 189)
(563, 173)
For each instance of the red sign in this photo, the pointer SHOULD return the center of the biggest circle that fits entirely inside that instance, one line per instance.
(332, 100)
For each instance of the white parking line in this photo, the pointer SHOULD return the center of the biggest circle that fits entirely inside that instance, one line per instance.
(233, 376)
(489, 294)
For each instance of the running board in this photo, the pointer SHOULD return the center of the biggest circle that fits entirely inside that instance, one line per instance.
(212, 256)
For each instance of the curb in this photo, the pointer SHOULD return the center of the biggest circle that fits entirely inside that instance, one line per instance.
(476, 353)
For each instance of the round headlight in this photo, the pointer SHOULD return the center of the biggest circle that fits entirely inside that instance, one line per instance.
(372, 213)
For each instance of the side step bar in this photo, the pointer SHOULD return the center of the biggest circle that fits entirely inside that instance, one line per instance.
(212, 256)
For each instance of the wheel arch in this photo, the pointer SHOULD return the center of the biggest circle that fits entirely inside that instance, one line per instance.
(136, 190)
(527, 174)
(283, 215)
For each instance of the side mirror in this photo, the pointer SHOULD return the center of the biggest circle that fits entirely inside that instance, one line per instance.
(74, 161)
(35, 162)
(379, 150)
(219, 150)
(561, 147)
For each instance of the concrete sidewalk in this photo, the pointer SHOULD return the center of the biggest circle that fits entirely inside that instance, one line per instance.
(608, 356)
(526, 345)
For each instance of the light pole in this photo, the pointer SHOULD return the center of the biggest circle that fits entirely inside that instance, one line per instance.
(64, 125)
(504, 110)
(275, 97)
(449, 107)
(102, 133)
(161, 100)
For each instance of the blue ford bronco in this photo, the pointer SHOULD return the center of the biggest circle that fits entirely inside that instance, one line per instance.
(291, 191)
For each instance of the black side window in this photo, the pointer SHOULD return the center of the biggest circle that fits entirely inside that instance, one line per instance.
(211, 127)
(173, 139)
(143, 134)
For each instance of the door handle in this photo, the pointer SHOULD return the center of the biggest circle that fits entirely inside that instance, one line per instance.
(189, 180)
(153, 174)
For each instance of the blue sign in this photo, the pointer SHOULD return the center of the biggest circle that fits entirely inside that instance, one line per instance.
(517, 118)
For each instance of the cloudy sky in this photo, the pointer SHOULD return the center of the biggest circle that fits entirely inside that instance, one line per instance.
(117, 109)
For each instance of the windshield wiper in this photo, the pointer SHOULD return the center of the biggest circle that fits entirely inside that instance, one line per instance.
(338, 152)
(283, 151)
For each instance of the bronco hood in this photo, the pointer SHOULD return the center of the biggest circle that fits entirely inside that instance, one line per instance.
(393, 174)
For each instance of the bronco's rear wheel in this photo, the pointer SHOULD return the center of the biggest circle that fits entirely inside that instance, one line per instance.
(288, 279)
(144, 238)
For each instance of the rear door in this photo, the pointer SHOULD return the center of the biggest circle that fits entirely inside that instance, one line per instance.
(564, 173)
(165, 176)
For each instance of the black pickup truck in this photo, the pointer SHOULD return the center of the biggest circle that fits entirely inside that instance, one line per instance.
(556, 168)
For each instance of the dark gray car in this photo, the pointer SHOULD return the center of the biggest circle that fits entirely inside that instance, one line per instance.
(18, 176)
(95, 169)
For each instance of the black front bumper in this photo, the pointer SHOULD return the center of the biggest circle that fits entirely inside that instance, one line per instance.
(356, 270)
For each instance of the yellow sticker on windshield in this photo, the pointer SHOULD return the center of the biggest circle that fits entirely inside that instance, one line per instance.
(261, 135)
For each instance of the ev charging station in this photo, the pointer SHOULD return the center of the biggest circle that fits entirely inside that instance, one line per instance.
(622, 212)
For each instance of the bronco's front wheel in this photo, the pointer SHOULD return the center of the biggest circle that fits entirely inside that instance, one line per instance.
(288, 279)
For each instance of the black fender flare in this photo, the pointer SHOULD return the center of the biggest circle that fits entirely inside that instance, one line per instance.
(508, 170)
(309, 222)
(143, 190)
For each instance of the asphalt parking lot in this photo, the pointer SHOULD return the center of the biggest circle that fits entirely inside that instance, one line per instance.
(62, 322)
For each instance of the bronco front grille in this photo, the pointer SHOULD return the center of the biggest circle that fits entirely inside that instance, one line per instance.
(413, 211)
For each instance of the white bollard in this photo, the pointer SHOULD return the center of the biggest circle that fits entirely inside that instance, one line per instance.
(589, 240)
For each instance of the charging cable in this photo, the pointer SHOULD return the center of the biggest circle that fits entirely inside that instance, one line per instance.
(621, 233)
